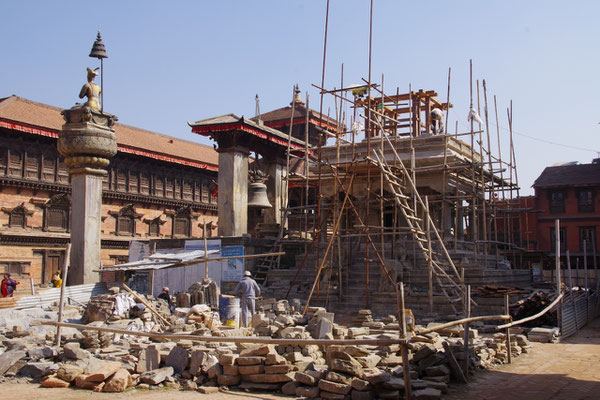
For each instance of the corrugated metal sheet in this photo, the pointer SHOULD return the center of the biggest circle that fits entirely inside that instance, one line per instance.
(80, 293)
(577, 312)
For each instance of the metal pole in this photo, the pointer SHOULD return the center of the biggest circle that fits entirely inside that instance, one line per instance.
(205, 249)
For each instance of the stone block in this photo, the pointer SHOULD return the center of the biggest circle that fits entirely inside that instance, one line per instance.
(178, 359)
(37, 370)
(118, 382)
(75, 352)
(360, 384)
(339, 377)
(423, 353)
(214, 371)
(208, 389)
(54, 382)
(149, 360)
(197, 360)
(394, 383)
(332, 396)
(189, 386)
(231, 369)
(261, 350)
(311, 392)
(427, 394)
(80, 382)
(346, 364)
(251, 369)
(226, 359)
(305, 379)
(271, 378)
(274, 359)
(437, 370)
(68, 372)
(228, 380)
(334, 387)
(99, 370)
(369, 361)
(358, 395)
(278, 369)
(157, 376)
(375, 376)
(290, 388)
(260, 386)
(253, 360)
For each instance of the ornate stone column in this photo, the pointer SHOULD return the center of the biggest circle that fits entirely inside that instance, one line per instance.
(87, 141)
(277, 189)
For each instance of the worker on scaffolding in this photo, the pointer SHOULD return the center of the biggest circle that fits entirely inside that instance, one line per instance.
(247, 290)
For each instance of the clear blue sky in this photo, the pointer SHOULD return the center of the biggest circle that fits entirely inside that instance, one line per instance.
(177, 61)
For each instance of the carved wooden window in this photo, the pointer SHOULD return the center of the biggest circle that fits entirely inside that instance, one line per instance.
(121, 180)
(188, 190)
(15, 163)
(32, 165)
(57, 218)
(177, 190)
(182, 222)
(213, 195)
(3, 161)
(48, 168)
(126, 220)
(16, 268)
(134, 181)
(106, 182)
(154, 227)
(62, 176)
(56, 213)
(585, 200)
(17, 217)
(205, 192)
(169, 187)
(144, 183)
(159, 186)
(197, 192)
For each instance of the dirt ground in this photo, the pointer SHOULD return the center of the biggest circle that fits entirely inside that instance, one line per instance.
(567, 370)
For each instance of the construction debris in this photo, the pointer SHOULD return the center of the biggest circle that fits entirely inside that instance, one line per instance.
(110, 362)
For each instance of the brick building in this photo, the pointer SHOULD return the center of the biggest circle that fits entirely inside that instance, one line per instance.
(157, 187)
(570, 193)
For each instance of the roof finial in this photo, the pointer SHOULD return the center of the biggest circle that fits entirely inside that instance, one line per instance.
(297, 99)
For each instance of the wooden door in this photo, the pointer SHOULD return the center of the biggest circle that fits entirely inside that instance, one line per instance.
(52, 263)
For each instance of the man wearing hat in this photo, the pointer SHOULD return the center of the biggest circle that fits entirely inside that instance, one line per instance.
(247, 290)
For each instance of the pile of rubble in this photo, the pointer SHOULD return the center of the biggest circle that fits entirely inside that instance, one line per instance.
(110, 362)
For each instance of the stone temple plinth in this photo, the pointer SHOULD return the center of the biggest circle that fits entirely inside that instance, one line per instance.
(87, 141)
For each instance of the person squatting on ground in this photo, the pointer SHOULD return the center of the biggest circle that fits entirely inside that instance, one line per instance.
(8, 286)
(247, 290)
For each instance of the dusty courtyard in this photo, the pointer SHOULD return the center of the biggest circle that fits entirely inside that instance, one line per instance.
(567, 370)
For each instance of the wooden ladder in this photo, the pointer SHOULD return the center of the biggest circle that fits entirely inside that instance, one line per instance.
(262, 270)
(441, 262)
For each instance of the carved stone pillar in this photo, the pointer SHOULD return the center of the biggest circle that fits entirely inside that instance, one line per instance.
(233, 191)
(87, 141)
(277, 190)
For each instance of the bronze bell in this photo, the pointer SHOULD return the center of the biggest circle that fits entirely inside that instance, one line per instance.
(257, 195)
(98, 49)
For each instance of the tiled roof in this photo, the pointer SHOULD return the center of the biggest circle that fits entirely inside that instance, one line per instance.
(129, 139)
(569, 175)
